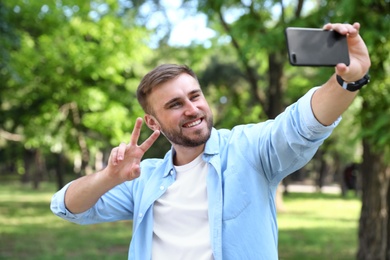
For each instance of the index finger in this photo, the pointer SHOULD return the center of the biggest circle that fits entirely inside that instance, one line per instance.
(136, 132)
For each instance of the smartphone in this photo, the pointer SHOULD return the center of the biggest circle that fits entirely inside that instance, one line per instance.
(316, 47)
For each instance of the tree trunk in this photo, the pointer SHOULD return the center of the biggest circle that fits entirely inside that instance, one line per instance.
(28, 159)
(275, 103)
(34, 167)
(85, 155)
(38, 169)
(388, 222)
(373, 225)
(321, 168)
(60, 171)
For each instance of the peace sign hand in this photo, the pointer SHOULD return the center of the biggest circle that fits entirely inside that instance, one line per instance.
(124, 161)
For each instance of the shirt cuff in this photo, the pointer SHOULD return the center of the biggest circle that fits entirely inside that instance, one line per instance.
(308, 118)
(58, 207)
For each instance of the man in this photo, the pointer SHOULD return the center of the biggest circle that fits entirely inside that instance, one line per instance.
(213, 195)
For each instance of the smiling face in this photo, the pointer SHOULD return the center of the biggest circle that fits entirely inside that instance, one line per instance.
(180, 111)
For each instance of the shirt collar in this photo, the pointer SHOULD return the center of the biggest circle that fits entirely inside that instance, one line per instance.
(212, 145)
(211, 148)
(169, 169)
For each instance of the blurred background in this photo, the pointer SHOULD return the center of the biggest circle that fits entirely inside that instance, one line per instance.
(68, 75)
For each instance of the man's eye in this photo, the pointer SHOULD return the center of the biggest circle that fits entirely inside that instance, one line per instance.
(174, 105)
(195, 97)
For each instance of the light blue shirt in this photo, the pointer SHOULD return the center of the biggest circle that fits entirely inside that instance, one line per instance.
(246, 165)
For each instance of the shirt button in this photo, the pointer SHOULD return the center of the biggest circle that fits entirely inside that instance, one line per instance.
(140, 215)
(161, 187)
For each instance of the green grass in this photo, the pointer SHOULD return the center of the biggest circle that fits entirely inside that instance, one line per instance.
(314, 226)
(319, 226)
(29, 230)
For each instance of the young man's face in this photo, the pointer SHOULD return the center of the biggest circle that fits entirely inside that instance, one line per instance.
(180, 112)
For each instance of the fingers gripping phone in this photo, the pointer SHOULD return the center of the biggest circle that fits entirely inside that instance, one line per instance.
(316, 47)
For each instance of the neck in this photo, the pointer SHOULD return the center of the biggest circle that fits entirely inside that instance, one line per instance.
(185, 155)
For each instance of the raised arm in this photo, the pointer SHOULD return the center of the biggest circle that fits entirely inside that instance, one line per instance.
(123, 165)
(331, 100)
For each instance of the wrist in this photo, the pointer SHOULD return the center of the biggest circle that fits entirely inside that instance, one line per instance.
(109, 178)
(355, 85)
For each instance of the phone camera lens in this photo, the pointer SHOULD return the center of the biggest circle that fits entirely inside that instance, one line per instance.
(294, 58)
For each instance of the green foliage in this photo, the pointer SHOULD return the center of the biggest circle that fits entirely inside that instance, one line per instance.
(72, 76)
(8, 39)
(70, 69)
(375, 109)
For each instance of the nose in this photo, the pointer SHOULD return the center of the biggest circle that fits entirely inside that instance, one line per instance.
(190, 108)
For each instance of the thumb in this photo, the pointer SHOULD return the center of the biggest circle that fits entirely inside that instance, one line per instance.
(342, 69)
(135, 171)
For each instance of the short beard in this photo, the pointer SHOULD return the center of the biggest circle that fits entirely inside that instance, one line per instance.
(177, 137)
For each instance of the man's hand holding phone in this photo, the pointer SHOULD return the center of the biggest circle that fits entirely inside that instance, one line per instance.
(337, 45)
(358, 52)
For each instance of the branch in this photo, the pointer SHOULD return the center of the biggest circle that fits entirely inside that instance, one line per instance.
(299, 8)
(10, 136)
(282, 15)
(248, 69)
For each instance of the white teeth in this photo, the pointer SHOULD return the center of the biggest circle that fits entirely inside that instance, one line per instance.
(197, 122)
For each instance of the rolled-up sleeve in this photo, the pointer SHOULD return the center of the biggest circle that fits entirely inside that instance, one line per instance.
(116, 204)
(308, 121)
(58, 207)
(283, 145)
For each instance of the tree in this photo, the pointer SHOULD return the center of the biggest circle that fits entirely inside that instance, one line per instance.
(374, 228)
(68, 90)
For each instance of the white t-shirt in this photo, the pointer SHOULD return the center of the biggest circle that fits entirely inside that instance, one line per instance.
(181, 225)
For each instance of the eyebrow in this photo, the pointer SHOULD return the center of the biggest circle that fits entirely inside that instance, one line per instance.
(173, 100)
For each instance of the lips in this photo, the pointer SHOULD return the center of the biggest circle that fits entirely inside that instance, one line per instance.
(192, 123)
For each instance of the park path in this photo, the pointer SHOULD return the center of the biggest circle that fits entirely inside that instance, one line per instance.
(311, 188)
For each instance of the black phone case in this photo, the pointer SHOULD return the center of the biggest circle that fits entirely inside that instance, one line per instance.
(316, 47)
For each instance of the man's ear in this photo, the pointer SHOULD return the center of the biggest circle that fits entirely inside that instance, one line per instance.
(152, 122)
